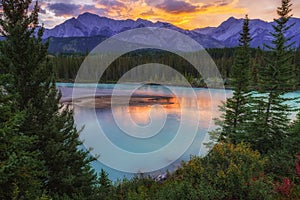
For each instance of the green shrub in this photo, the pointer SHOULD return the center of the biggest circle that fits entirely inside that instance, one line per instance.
(228, 172)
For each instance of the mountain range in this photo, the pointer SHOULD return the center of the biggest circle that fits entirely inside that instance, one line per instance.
(83, 33)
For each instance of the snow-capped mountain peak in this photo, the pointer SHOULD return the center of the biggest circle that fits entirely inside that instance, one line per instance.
(225, 35)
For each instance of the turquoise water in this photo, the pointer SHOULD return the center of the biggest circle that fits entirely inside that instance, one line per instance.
(146, 138)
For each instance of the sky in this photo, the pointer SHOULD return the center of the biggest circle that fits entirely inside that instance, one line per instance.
(187, 14)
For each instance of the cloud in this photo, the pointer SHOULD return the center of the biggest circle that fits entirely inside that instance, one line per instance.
(154, 3)
(266, 9)
(40, 5)
(188, 14)
(62, 9)
(148, 13)
(176, 7)
(42, 11)
(110, 3)
(93, 9)
(222, 3)
(113, 8)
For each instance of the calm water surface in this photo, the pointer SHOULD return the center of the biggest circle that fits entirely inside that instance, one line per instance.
(164, 113)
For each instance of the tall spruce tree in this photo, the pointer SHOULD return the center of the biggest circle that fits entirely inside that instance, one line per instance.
(270, 109)
(67, 168)
(105, 188)
(20, 168)
(236, 108)
(282, 160)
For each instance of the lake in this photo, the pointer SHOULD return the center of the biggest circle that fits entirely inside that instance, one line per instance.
(143, 129)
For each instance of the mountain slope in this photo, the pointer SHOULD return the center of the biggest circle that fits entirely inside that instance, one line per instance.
(83, 33)
(88, 24)
(91, 25)
(228, 32)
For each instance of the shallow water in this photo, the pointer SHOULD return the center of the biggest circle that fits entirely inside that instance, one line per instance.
(157, 130)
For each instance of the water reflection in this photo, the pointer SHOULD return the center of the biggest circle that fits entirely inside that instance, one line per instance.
(142, 111)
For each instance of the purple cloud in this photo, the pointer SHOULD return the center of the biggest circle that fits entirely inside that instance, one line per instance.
(154, 3)
(222, 3)
(32, 5)
(174, 6)
(93, 9)
(61, 9)
(110, 3)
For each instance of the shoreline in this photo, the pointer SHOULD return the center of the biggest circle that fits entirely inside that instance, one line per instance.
(102, 102)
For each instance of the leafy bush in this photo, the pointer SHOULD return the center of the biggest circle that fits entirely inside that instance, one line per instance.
(228, 172)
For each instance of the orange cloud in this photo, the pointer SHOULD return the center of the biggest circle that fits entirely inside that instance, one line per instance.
(188, 14)
(183, 13)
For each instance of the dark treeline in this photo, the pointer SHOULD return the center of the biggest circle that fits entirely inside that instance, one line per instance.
(66, 65)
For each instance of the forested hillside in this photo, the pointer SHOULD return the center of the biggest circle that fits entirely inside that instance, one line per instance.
(67, 65)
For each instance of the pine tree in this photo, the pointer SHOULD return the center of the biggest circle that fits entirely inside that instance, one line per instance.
(276, 77)
(236, 108)
(257, 61)
(19, 166)
(297, 66)
(105, 189)
(292, 142)
(104, 180)
(67, 167)
(282, 160)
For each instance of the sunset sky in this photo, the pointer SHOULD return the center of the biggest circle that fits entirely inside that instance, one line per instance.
(188, 14)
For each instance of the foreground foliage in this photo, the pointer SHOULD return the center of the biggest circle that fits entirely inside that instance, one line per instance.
(229, 171)
(39, 140)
